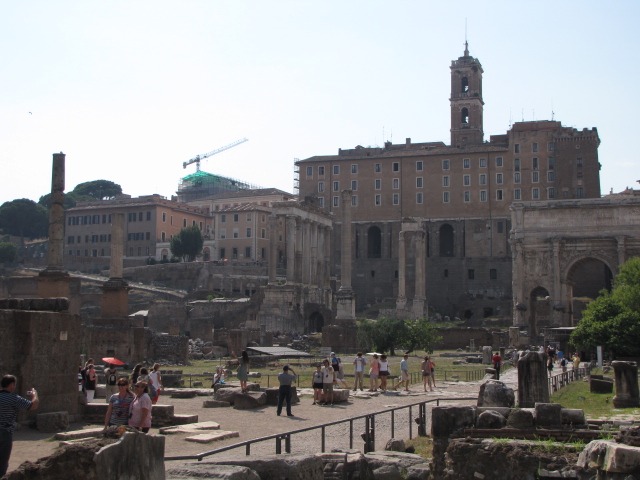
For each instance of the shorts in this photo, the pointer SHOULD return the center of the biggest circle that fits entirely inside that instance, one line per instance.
(405, 375)
(384, 373)
(373, 375)
(318, 385)
(426, 373)
(327, 387)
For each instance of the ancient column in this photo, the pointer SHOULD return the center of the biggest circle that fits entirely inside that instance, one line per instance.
(327, 258)
(533, 384)
(313, 254)
(306, 251)
(115, 291)
(117, 246)
(627, 395)
(419, 295)
(273, 248)
(345, 250)
(299, 243)
(401, 302)
(556, 295)
(291, 248)
(56, 214)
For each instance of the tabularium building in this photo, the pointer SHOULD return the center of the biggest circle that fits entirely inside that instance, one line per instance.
(431, 221)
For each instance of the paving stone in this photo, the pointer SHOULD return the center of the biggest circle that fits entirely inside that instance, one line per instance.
(190, 427)
(212, 437)
(75, 434)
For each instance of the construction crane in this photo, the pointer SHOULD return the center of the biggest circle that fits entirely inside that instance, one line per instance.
(197, 158)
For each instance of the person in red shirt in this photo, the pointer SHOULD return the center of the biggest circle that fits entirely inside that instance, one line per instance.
(497, 363)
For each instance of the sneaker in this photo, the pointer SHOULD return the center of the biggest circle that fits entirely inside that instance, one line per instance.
(313, 403)
(290, 415)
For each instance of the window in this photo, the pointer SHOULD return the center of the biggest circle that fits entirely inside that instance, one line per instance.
(552, 163)
(471, 274)
(516, 148)
(498, 178)
(248, 220)
(396, 199)
(483, 163)
(419, 198)
(163, 236)
(236, 217)
(321, 171)
(309, 171)
(354, 200)
(445, 197)
(466, 163)
(236, 234)
(551, 176)
(222, 252)
(148, 217)
(482, 180)
(516, 177)
(516, 194)
(579, 192)
(498, 194)
(550, 147)
(396, 166)
(336, 201)
(377, 184)
(467, 196)
(499, 162)
(263, 233)
(493, 274)
(321, 202)
(320, 186)
(378, 200)
(248, 232)
(551, 193)
(500, 227)
(377, 168)
(579, 162)
(184, 223)
(354, 168)
(535, 193)
(396, 183)
(354, 185)
(534, 147)
(234, 253)
(535, 176)
(419, 183)
(534, 163)
(445, 164)
(336, 186)
(247, 252)
(419, 166)
(445, 180)
(516, 164)
(336, 169)
(223, 218)
(466, 180)
(483, 195)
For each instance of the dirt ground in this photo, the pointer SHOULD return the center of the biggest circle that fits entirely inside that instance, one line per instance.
(30, 445)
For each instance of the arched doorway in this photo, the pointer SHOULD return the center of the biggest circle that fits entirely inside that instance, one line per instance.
(316, 322)
(586, 278)
(539, 311)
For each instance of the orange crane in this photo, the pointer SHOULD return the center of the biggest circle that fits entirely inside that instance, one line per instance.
(197, 158)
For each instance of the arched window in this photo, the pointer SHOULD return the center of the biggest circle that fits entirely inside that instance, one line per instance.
(464, 85)
(464, 116)
(446, 240)
(374, 242)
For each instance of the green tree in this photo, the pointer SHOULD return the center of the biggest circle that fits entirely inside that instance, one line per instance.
(8, 252)
(24, 218)
(187, 244)
(70, 200)
(98, 189)
(613, 319)
(420, 334)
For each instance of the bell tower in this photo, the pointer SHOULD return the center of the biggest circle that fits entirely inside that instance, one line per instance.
(466, 100)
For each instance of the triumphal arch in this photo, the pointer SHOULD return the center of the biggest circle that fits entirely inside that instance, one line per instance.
(564, 252)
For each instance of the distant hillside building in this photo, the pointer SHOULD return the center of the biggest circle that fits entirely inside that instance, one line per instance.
(447, 204)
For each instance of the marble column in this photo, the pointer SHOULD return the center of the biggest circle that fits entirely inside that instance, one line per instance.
(327, 258)
(115, 291)
(56, 214)
(291, 248)
(273, 248)
(401, 302)
(306, 251)
(533, 384)
(419, 295)
(345, 250)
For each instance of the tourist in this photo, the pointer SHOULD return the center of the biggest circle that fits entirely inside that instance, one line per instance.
(425, 367)
(336, 363)
(432, 377)
(328, 379)
(497, 363)
(119, 404)
(111, 381)
(156, 381)
(144, 377)
(286, 378)
(140, 409)
(10, 404)
(243, 371)
(404, 373)
(360, 362)
(133, 378)
(317, 384)
(374, 373)
(218, 377)
(90, 382)
(384, 372)
(83, 374)
(576, 361)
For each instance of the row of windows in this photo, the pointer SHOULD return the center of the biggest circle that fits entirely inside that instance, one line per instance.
(88, 219)
(466, 163)
(104, 238)
(534, 147)
(94, 252)
(234, 253)
(377, 168)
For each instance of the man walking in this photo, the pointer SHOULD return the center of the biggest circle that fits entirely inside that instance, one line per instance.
(497, 363)
(360, 363)
(10, 404)
(404, 372)
(284, 393)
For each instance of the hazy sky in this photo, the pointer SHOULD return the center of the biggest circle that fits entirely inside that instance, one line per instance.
(130, 90)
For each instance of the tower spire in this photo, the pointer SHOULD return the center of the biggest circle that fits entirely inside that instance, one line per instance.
(466, 48)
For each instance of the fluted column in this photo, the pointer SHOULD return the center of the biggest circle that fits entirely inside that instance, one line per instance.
(291, 248)
(401, 302)
(345, 258)
(273, 248)
(419, 295)
(117, 245)
(56, 214)
(306, 252)
(327, 258)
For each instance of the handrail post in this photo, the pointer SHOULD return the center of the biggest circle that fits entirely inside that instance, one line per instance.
(322, 439)
(393, 423)
(410, 423)
(351, 434)
(287, 443)
(278, 445)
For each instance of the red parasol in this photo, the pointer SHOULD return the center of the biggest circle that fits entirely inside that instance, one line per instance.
(113, 361)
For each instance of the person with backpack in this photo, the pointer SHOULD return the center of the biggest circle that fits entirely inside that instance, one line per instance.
(156, 381)
(111, 380)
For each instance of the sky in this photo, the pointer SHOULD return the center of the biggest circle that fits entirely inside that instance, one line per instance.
(131, 90)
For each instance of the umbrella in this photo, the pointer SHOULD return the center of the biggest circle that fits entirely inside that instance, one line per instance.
(113, 361)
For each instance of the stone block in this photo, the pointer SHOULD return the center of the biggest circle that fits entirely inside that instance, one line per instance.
(52, 422)
(448, 420)
(289, 466)
(611, 457)
(122, 459)
(548, 415)
(490, 419)
(345, 464)
(520, 418)
(600, 385)
(184, 393)
(79, 434)
(227, 394)
(183, 418)
(395, 445)
(215, 404)
(192, 470)
(212, 436)
(494, 393)
(573, 416)
(249, 400)
(190, 427)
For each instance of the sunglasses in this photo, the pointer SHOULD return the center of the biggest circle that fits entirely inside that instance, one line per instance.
(122, 384)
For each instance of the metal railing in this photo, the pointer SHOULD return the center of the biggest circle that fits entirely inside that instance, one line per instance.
(369, 436)
(559, 380)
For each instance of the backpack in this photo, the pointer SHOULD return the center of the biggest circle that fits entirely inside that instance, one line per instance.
(563, 362)
(112, 379)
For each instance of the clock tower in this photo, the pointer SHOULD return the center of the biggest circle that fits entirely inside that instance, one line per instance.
(466, 100)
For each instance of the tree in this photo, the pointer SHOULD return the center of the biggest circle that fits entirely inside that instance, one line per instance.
(187, 244)
(70, 200)
(8, 252)
(98, 189)
(420, 335)
(24, 218)
(613, 319)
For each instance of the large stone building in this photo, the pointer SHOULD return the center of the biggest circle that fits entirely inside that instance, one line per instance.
(431, 221)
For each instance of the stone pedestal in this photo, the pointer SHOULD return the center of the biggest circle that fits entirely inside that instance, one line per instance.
(533, 385)
(115, 298)
(487, 354)
(626, 384)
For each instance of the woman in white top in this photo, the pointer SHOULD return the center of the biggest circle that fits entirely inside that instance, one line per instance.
(384, 372)
(156, 380)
